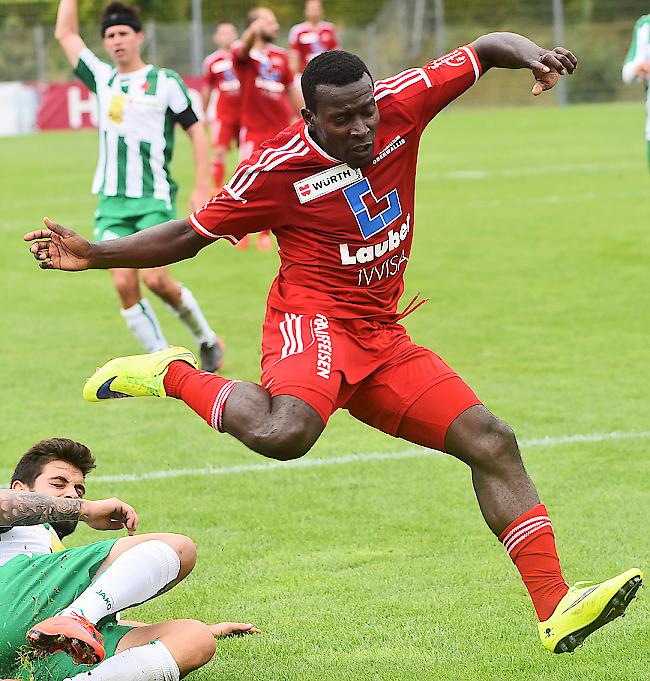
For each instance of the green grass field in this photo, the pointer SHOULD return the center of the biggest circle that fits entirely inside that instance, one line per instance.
(532, 241)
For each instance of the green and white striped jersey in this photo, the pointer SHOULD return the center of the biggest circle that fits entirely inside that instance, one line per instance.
(137, 113)
(639, 49)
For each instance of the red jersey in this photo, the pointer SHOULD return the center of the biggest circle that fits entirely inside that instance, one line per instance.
(264, 76)
(306, 41)
(219, 75)
(344, 233)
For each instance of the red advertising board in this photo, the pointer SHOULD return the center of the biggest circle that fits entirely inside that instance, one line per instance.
(72, 105)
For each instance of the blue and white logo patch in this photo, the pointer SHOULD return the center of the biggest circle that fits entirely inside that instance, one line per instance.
(360, 196)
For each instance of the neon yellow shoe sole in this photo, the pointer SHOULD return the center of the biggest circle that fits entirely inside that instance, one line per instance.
(585, 609)
(134, 376)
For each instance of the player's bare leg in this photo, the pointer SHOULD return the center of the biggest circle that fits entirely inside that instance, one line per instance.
(159, 281)
(139, 316)
(281, 427)
(219, 166)
(511, 508)
(134, 572)
(190, 642)
(489, 447)
(181, 302)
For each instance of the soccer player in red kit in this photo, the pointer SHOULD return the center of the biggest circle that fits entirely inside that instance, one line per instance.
(219, 76)
(311, 37)
(270, 100)
(338, 191)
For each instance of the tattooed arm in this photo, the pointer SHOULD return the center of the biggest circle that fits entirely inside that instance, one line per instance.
(28, 508)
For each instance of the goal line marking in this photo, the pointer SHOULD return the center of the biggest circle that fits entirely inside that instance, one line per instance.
(420, 453)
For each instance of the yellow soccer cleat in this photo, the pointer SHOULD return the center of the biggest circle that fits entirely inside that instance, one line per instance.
(134, 376)
(586, 608)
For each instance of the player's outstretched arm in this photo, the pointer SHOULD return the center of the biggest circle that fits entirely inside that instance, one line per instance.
(67, 31)
(221, 630)
(201, 193)
(228, 629)
(28, 508)
(249, 36)
(59, 248)
(513, 51)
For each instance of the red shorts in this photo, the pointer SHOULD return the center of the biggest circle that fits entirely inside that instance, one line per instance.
(224, 133)
(371, 369)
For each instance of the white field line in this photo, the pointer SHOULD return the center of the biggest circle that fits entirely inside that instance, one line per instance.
(605, 167)
(356, 458)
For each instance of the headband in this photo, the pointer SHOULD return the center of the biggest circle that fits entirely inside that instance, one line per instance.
(121, 19)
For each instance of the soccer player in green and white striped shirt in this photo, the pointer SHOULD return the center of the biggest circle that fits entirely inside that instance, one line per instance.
(636, 68)
(139, 106)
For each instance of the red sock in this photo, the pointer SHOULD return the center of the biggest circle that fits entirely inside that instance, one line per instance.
(201, 391)
(218, 172)
(530, 543)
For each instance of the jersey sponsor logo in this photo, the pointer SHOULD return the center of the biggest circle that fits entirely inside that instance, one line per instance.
(229, 85)
(389, 149)
(308, 38)
(372, 214)
(323, 346)
(221, 66)
(116, 109)
(367, 254)
(388, 268)
(326, 182)
(268, 85)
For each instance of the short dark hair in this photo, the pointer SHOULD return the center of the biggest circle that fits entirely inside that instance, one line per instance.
(33, 461)
(336, 67)
(118, 14)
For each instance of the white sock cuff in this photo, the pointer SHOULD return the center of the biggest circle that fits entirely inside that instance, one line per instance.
(161, 555)
(136, 310)
(168, 665)
(150, 662)
(187, 298)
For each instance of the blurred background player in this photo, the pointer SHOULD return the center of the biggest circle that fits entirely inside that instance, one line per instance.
(138, 107)
(219, 78)
(636, 68)
(52, 592)
(270, 100)
(311, 37)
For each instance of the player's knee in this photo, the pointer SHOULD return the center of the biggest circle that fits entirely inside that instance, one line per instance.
(200, 648)
(497, 446)
(286, 441)
(185, 550)
(125, 284)
(156, 282)
(206, 646)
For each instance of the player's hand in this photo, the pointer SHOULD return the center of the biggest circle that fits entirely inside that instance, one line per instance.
(259, 25)
(643, 70)
(548, 68)
(109, 514)
(226, 629)
(59, 248)
(200, 196)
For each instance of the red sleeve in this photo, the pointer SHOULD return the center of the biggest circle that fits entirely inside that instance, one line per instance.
(336, 43)
(430, 89)
(246, 204)
(237, 56)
